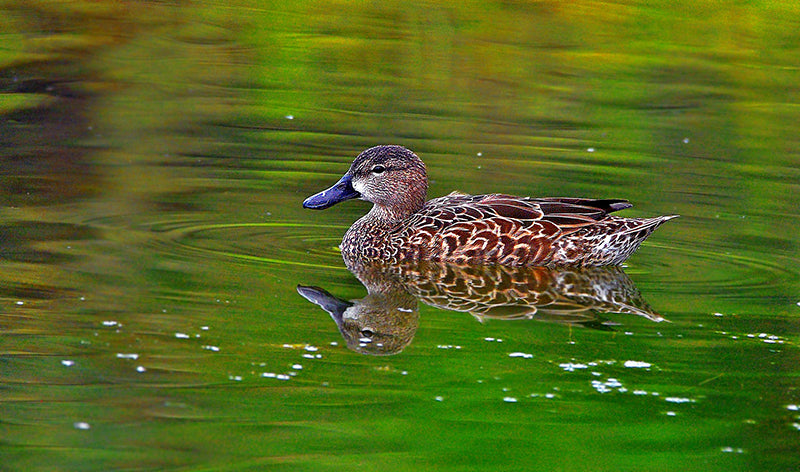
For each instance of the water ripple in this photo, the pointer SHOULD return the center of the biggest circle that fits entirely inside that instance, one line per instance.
(284, 243)
(713, 269)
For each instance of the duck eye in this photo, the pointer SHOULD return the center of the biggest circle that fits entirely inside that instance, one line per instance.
(367, 333)
(378, 169)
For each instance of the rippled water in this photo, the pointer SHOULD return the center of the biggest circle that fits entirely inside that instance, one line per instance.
(154, 158)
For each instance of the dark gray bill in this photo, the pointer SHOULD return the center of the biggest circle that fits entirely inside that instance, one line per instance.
(339, 192)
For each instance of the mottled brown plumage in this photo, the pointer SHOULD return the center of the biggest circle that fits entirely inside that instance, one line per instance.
(494, 228)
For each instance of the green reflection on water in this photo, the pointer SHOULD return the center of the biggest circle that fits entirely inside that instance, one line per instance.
(155, 156)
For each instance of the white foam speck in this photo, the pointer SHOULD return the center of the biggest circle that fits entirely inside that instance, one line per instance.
(678, 400)
(793, 407)
(510, 399)
(637, 364)
(439, 398)
(67, 363)
(736, 450)
(211, 348)
(571, 367)
(310, 348)
(181, 335)
(122, 355)
(110, 323)
(140, 369)
(524, 355)
(81, 425)
(297, 367)
(671, 413)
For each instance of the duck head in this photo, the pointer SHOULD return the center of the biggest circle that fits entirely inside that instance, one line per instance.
(391, 177)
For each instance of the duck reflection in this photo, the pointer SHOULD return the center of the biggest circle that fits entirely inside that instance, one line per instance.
(385, 321)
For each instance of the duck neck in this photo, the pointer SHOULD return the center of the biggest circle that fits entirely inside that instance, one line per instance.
(378, 221)
(389, 216)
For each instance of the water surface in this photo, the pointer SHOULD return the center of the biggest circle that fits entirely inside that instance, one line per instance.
(154, 158)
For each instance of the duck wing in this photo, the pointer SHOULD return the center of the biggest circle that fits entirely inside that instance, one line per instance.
(565, 213)
(497, 228)
(571, 214)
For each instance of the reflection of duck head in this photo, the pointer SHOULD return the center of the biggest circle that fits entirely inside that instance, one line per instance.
(381, 323)
(385, 321)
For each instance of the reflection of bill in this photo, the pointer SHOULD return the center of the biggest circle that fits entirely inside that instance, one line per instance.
(385, 321)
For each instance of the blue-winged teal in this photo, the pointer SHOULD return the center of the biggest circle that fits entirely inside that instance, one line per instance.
(460, 228)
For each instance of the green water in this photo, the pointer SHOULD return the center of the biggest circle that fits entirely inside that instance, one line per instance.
(154, 157)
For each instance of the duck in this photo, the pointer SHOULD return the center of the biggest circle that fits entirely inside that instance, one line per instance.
(496, 228)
